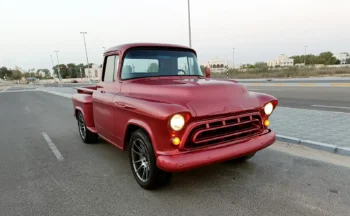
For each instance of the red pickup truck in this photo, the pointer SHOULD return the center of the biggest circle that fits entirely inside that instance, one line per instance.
(154, 101)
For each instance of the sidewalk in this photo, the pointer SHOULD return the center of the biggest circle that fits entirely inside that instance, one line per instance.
(323, 130)
(325, 127)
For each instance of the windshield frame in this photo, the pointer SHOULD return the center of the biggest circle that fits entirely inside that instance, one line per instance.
(159, 48)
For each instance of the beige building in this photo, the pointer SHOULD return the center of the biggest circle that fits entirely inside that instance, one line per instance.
(94, 72)
(216, 65)
(282, 61)
(41, 73)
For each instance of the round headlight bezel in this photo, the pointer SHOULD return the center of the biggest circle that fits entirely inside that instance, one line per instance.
(177, 122)
(268, 108)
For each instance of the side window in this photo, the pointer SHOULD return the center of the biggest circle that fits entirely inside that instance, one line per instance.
(111, 68)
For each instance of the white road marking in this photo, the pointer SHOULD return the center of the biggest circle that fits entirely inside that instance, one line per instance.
(53, 147)
(335, 107)
(28, 110)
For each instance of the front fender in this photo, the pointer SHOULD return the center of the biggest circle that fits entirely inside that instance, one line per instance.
(266, 98)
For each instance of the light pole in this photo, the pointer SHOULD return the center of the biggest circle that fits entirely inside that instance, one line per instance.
(189, 23)
(58, 66)
(305, 56)
(233, 58)
(53, 65)
(87, 59)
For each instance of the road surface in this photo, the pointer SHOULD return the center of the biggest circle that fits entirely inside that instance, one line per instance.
(318, 98)
(298, 80)
(47, 170)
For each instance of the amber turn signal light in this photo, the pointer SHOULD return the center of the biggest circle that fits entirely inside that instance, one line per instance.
(266, 123)
(176, 141)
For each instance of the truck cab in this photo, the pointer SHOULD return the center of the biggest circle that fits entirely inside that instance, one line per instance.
(154, 101)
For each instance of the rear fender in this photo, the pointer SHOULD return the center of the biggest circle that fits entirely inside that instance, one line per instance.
(83, 103)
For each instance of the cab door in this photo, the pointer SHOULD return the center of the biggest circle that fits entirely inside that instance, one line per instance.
(103, 99)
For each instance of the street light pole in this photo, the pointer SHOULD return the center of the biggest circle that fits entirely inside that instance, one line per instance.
(233, 58)
(87, 59)
(53, 65)
(305, 56)
(189, 23)
(58, 66)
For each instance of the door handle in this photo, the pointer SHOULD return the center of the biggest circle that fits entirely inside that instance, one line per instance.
(123, 105)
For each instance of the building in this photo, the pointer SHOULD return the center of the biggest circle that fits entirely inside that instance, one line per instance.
(281, 61)
(41, 73)
(93, 72)
(343, 57)
(216, 65)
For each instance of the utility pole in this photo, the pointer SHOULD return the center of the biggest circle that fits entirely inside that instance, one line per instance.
(189, 23)
(87, 59)
(305, 56)
(58, 66)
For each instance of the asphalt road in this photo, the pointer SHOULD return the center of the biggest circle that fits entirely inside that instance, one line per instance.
(318, 98)
(96, 179)
(298, 80)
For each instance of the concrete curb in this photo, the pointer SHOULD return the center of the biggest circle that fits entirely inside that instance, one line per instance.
(345, 151)
(299, 84)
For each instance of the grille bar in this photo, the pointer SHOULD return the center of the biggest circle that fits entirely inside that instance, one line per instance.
(224, 136)
(199, 132)
(226, 129)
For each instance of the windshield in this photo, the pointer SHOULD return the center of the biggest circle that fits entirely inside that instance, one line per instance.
(152, 63)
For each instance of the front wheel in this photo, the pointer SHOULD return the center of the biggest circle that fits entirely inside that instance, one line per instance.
(143, 162)
(86, 135)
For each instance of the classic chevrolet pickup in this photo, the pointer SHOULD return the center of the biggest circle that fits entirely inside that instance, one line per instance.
(154, 101)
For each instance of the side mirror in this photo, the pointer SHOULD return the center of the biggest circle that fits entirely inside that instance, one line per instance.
(207, 73)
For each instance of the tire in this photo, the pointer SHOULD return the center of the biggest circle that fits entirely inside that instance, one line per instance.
(86, 135)
(242, 159)
(143, 162)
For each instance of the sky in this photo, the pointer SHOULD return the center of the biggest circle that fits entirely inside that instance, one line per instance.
(259, 30)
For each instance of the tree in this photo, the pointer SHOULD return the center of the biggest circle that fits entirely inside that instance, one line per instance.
(74, 70)
(4, 72)
(16, 75)
(153, 67)
(261, 67)
(203, 69)
(327, 58)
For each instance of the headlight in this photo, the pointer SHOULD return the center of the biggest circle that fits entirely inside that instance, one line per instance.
(177, 122)
(268, 108)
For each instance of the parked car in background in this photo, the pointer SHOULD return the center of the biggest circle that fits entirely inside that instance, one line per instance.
(154, 101)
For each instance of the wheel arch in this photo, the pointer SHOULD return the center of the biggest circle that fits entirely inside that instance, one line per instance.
(134, 125)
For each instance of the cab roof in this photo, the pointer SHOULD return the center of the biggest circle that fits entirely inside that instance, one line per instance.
(123, 47)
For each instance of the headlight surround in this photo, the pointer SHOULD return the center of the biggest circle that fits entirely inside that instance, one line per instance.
(268, 108)
(177, 122)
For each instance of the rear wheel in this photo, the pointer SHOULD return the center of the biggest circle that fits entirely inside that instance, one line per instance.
(86, 135)
(143, 162)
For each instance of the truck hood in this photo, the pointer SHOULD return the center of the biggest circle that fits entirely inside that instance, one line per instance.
(204, 97)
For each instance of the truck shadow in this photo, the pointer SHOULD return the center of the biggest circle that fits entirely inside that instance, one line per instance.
(211, 176)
